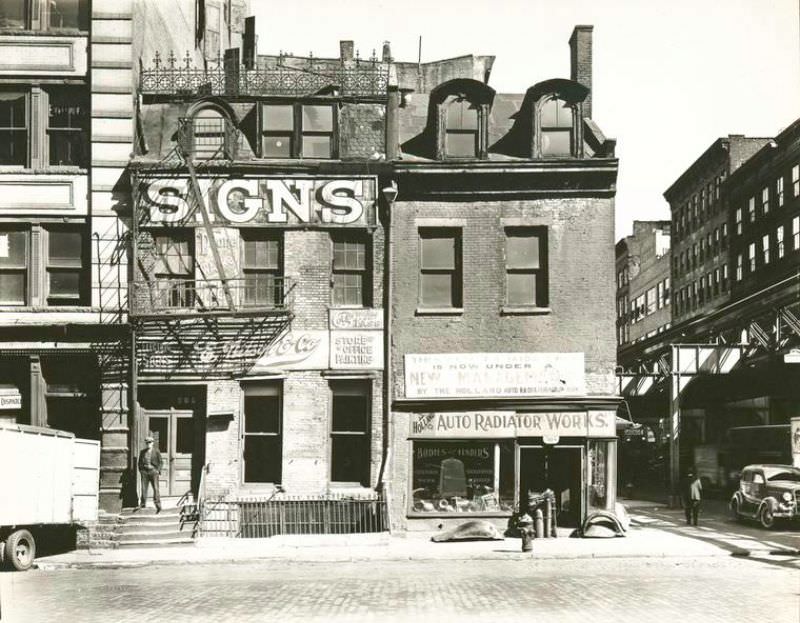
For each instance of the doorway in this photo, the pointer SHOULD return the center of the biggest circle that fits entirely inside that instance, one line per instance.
(559, 468)
(175, 418)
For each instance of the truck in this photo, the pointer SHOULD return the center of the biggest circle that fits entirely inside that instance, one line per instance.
(49, 479)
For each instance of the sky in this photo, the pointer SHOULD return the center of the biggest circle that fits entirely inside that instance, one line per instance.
(669, 76)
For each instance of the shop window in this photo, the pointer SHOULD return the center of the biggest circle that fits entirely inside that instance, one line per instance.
(526, 267)
(68, 127)
(261, 267)
(71, 395)
(462, 477)
(13, 128)
(174, 269)
(350, 432)
(461, 129)
(351, 276)
(208, 134)
(43, 265)
(44, 15)
(263, 433)
(298, 131)
(440, 268)
(556, 119)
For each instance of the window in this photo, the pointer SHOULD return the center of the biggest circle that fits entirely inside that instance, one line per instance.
(665, 290)
(738, 221)
(796, 180)
(724, 277)
(708, 285)
(211, 39)
(724, 235)
(557, 127)
(261, 267)
(68, 127)
(461, 128)
(739, 267)
(263, 433)
(350, 432)
(13, 128)
(765, 248)
(779, 239)
(702, 249)
(526, 270)
(716, 240)
(796, 233)
(651, 301)
(298, 131)
(351, 283)
(751, 255)
(208, 134)
(751, 209)
(39, 15)
(694, 255)
(716, 281)
(174, 269)
(779, 191)
(702, 291)
(440, 268)
(58, 249)
(765, 200)
(13, 266)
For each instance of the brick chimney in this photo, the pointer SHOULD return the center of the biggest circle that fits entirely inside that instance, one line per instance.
(346, 50)
(580, 46)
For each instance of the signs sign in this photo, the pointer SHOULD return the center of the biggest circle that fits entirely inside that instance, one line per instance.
(510, 424)
(493, 375)
(264, 201)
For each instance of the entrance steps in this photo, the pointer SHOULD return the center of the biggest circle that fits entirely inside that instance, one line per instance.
(143, 527)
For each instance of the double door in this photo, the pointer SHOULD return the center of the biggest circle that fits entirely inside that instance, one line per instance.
(174, 435)
(559, 468)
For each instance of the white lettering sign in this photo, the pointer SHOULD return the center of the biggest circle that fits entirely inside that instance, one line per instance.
(356, 319)
(493, 375)
(355, 350)
(509, 424)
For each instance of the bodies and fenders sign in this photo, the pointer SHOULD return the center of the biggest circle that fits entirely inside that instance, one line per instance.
(510, 425)
(493, 375)
(261, 200)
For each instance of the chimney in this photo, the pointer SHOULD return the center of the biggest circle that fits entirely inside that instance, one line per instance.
(346, 50)
(386, 57)
(580, 45)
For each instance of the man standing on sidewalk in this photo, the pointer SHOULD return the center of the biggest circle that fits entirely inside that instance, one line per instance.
(692, 497)
(150, 469)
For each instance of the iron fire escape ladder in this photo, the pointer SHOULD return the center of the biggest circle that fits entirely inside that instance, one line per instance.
(212, 243)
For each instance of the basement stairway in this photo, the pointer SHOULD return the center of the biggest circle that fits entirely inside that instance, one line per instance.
(143, 527)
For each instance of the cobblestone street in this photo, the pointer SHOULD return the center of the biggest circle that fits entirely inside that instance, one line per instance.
(713, 589)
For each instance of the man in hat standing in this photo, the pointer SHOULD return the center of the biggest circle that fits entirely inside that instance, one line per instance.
(150, 469)
(692, 497)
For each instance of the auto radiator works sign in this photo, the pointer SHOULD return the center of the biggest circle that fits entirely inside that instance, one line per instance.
(508, 424)
(265, 201)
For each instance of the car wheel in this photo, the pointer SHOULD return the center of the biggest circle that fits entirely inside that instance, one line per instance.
(734, 510)
(20, 550)
(766, 518)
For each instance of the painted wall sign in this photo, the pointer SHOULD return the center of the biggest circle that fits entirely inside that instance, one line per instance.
(264, 201)
(508, 424)
(357, 350)
(10, 400)
(356, 319)
(297, 350)
(493, 375)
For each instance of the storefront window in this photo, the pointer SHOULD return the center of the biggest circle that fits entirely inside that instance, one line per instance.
(463, 477)
(601, 479)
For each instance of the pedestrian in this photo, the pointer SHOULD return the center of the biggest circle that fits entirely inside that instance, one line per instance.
(692, 497)
(150, 470)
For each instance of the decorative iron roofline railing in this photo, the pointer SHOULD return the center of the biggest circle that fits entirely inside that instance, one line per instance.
(357, 79)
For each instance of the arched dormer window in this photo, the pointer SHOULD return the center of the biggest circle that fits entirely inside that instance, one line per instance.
(209, 132)
(462, 113)
(556, 127)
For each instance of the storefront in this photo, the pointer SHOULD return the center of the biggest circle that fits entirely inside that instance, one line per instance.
(466, 462)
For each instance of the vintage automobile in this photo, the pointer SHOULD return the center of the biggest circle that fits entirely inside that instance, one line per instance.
(767, 493)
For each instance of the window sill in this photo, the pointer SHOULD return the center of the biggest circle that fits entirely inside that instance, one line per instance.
(439, 311)
(524, 310)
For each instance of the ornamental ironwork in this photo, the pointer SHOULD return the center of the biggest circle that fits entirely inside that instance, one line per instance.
(358, 78)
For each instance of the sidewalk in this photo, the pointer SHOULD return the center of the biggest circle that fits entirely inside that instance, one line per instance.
(641, 541)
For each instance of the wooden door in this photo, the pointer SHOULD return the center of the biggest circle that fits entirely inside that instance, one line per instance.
(174, 434)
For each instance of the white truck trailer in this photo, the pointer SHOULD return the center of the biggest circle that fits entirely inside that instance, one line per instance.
(48, 478)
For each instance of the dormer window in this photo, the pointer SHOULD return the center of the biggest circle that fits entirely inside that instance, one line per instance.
(298, 131)
(461, 128)
(557, 127)
(208, 134)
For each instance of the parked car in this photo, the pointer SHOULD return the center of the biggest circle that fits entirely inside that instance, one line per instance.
(767, 493)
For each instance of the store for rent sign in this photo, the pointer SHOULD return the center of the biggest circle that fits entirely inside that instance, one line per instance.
(264, 201)
(507, 424)
(493, 375)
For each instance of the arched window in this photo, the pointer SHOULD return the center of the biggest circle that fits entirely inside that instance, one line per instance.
(461, 137)
(208, 134)
(557, 123)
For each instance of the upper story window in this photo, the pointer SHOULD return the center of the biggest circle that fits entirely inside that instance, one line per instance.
(751, 209)
(440, 268)
(779, 191)
(461, 134)
(765, 200)
(44, 14)
(174, 269)
(796, 180)
(208, 134)
(43, 265)
(13, 128)
(526, 267)
(351, 275)
(557, 127)
(298, 131)
(68, 127)
(261, 266)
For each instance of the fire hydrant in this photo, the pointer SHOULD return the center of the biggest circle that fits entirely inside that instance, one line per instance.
(525, 527)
